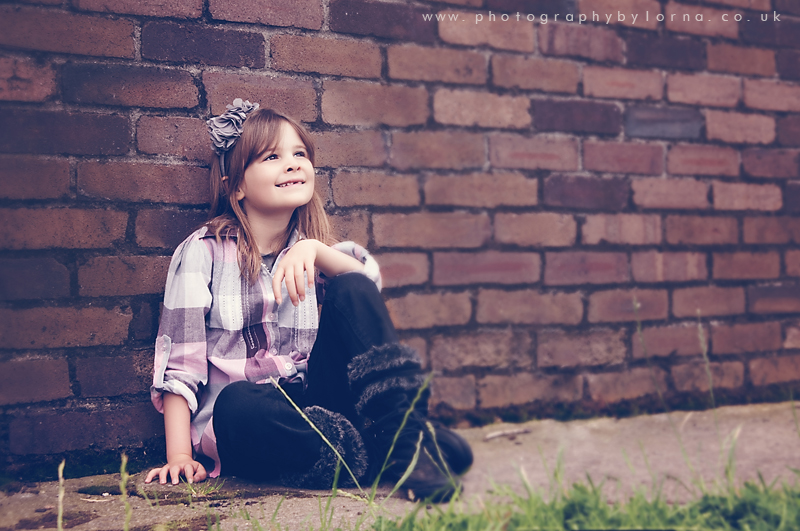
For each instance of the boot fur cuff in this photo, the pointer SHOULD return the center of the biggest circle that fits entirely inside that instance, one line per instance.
(380, 362)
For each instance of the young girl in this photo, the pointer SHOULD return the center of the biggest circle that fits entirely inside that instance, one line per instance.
(240, 312)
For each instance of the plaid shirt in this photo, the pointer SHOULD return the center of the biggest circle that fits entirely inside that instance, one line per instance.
(216, 328)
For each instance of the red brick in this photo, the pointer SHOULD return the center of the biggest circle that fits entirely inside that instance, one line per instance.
(601, 82)
(361, 103)
(791, 195)
(515, 151)
(422, 63)
(67, 228)
(557, 348)
(647, 121)
(339, 57)
(747, 265)
(653, 266)
(586, 192)
(741, 338)
(788, 6)
(701, 20)
(468, 108)
(591, 42)
(792, 260)
(774, 163)
(518, 36)
(529, 307)
(774, 33)
(351, 226)
(680, 340)
(742, 196)
(37, 328)
(399, 22)
(26, 177)
(488, 267)
(143, 182)
(33, 380)
(739, 128)
(426, 310)
(694, 376)
(431, 229)
(670, 193)
(772, 95)
(792, 336)
(701, 230)
(437, 149)
(740, 59)
(522, 388)
(374, 188)
(26, 80)
(612, 8)
(301, 14)
(761, 5)
(349, 148)
(494, 349)
(704, 89)
(788, 62)
(21, 27)
(172, 135)
(33, 278)
(123, 275)
(114, 375)
(776, 298)
(766, 371)
(618, 305)
(632, 229)
(481, 189)
(533, 73)
(535, 229)
(577, 116)
(710, 300)
(668, 52)
(148, 8)
(771, 230)
(294, 97)
(403, 269)
(623, 157)
(166, 228)
(457, 392)
(693, 159)
(578, 267)
(634, 383)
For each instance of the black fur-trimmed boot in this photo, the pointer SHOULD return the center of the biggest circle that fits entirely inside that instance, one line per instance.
(384, 381)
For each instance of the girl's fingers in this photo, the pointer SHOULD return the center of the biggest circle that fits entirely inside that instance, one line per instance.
(276, 285)
(310, 271)
(175, 472)
(188, 471)
(290, 285)
(300, 283)
(162, 476)
(150, 475)
(200, 475)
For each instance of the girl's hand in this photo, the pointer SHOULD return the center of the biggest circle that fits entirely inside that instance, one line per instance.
(297, 260)
(181, 464)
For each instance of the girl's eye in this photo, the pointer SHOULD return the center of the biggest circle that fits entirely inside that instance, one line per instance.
(300, 153)
(271, 157)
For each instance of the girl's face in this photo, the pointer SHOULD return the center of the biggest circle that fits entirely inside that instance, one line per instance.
(281, 179)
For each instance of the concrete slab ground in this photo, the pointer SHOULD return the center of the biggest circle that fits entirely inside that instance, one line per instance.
(678, 450)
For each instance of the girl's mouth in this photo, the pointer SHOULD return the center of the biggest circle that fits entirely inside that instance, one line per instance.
(289, 183)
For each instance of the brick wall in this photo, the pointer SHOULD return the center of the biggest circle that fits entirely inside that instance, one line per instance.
(520, 183)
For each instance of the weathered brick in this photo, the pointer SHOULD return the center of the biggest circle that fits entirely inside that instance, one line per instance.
(557, 348)
(772, 95)
(468, 108)
(743, 196)
(349, 148)
(481, 189)
(26, 80)
(761, 5)
(787, 6)
(741, 338)
(618, 305)
(423, 63)
(26, 177)
(69, 228)
(545, 7)
(300, 14)
(774, 163)
(578, 267)
(533, 73)
(577, 116)
(670, 193)
(165, 228)
(37, 328)
(294, 97)
(745, 60)
(351, 226)
(123, 275)
(33, 278)
(431, 229)
(400, 22)
(701, 230)
(609, 11)
(437, 149)
(602, 82)
(665, 52)
(173, 135)
(426, 310)
(679, 340)
(56, 132)
(701, 20)
(654, 266)
(663, 122)
(788, 62)
(792, 262)
(495, 349)
(710, 300)
(403, 269)
(586, 192)
(515, 151)
(130, 86)
(529, 307)
(488, 267)
(518, 36)
(591, 42)
(496, 390)
(114, 375)
(634, 383)
(536, 229)
(792, 336)
(781, 229)
(189, 43)
(374, 188)
(766, 371)
(743, 265)
(791, 197)
(134, 181)
(703, 160)
(783, 33)
(298, 53)
(631, 229)
(148, 8)
(458, 392)
(21, 27)
(33, 380)
(780, 298)
(694, 376)
(704, 89)
(739, 128)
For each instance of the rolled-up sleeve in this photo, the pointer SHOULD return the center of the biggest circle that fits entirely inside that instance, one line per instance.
(371, 269)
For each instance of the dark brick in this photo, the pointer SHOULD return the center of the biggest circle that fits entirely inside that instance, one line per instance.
(783, 298)
(166, 228)
(31, 177)
(788, 63)
(776, 163)
(25, 381)
(586, 192)
(785, 33)
(116, 375)
(787, 6)
(788, 130)
(58, 132)
(663, 122)
(128, 85)
(791, 197)
(577, 267)
(28, 278)
(297, 13)
(666, 52)
(143, 325)
(165, 41)
(577, 116)
(394, 21)
(543, 7)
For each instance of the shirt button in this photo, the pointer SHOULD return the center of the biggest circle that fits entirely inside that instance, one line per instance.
(273, 351)
(271, 316)
(288, 365)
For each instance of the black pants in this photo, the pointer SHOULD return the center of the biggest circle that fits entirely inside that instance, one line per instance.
(259, 434)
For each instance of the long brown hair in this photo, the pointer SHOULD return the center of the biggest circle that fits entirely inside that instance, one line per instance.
(261, 131)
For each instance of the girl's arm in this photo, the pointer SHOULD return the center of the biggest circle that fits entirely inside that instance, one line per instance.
(177, 419)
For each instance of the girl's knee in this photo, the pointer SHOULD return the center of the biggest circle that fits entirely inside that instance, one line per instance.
(350, 286)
